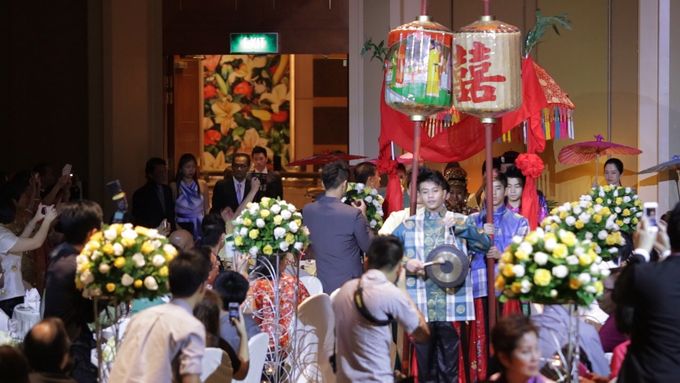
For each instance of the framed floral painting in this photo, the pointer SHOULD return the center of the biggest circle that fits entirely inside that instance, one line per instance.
(246, 103)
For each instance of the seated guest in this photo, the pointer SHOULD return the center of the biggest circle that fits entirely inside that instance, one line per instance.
(181, 239)
(363, 348)
(514, 340)
(153, 202)
(47, 349)
(553, 323)
(77, 221)
(236, 366)
(232, 287)
(262, 298)
(13, 365)
(166, 343)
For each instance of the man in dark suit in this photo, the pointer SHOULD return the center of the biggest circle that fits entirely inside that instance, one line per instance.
(231, 191)
(339, 233)
(653, 292)
(270, 181)
(153, 203)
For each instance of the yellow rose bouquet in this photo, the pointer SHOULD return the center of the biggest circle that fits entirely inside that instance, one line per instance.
(590, 221)
(551, 268)
(373, 201)
(122, 263)
(268, 227)
(624, 204)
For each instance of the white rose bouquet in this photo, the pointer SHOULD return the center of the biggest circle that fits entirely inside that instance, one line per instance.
(590, 221)
(373, 201)
(624, 204)
(268, 227)
(551, 268)
(123, 263)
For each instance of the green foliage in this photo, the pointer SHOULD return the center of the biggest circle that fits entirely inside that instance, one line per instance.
(542, 24)
(378, 51)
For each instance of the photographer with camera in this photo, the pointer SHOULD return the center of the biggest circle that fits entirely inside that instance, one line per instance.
(652, 290)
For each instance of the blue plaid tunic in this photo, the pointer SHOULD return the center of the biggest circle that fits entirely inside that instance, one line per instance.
(420, 234)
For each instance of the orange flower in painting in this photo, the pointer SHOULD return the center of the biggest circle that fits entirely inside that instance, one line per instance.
(281, 116)
(211, 137)
(209, 91)
(243, 88)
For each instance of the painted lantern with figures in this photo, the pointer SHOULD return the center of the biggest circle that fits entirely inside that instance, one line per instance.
(418, 68)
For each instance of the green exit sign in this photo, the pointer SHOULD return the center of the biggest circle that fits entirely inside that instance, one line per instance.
(254, 42)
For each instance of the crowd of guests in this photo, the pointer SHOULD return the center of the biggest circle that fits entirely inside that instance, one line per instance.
(376, 279)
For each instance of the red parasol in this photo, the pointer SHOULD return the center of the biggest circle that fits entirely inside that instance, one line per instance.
(587, 151)
(324, 158)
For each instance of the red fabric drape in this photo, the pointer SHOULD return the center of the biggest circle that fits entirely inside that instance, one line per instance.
(462, 140)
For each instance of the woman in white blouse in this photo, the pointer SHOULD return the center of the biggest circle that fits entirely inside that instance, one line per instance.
(11, 249)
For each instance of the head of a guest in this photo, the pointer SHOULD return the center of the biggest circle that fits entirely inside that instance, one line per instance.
(208, 312)
(259, 156)
(432, 189)
(8, 209)
(367, 174)
(47, 345)
(495, 166)
(232, 287)
(17, 185)
(48, 176)
(500, 182)
(213, 228)
(240, 164)
(78, 220)
(156, 170)
(401, 172)
(515, 342)
(515, 184)
(385, 254)
(673, 228)
(507, 160)
(187, 169)
(181, 239)
(13, 365)
(613, 169)
(188, 273)
(335, 175)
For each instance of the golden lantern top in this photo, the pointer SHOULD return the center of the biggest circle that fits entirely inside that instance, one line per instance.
(418, 68)
(487, 68)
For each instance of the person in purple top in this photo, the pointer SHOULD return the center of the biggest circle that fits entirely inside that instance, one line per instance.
(515, 341)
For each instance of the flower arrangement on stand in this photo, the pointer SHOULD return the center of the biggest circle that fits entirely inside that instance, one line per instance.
(588, 220)
(118, 264)
(268, 227)
(624, 204)
(372, 199)
(553, 268)
(272, 230)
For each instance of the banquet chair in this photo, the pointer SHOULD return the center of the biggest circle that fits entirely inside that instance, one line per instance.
(212, 359)
(4, 322)
(312, 284)
(314, 341)
(257, 346)
(334, 294)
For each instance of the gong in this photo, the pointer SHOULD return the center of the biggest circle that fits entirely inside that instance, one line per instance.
(449, 266)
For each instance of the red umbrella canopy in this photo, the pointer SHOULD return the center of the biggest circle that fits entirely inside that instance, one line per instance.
(587, 151)
(324, 158)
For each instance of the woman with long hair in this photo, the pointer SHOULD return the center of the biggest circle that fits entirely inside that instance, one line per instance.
(191, 195)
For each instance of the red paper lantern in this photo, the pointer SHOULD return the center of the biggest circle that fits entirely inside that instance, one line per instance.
(487, 68)
(418, 68)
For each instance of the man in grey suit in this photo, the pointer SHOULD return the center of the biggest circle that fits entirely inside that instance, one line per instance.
(339, 233)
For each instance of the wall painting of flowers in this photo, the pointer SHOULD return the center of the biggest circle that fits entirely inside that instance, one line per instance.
(246, 103)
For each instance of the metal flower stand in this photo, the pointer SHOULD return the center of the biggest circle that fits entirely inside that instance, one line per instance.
(565, 364)
(108, 320)
(280, 362)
